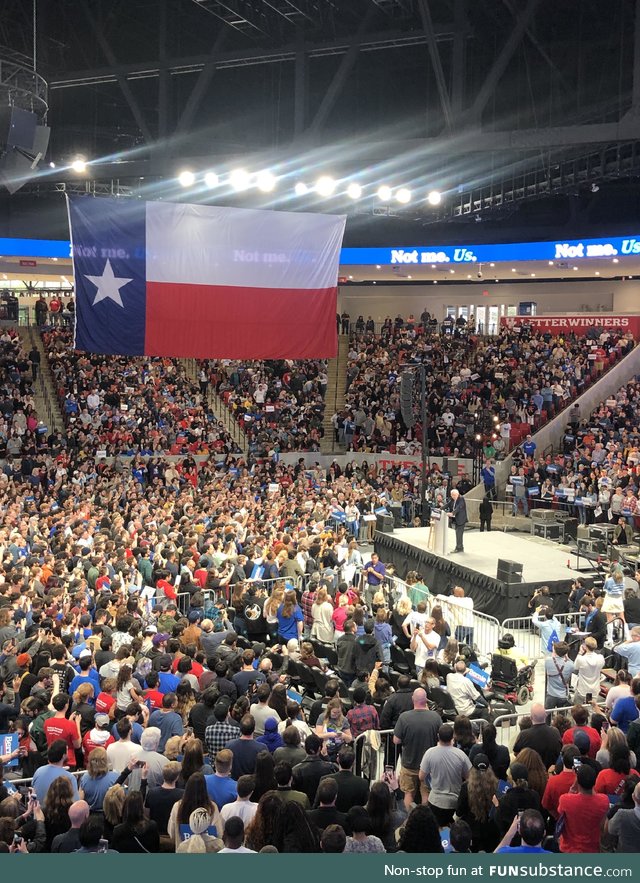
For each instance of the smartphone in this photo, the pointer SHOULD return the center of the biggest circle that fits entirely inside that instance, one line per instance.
(188, 731)
(17, 839)
(589, 697)
(103, 845)
(388, 771)
(577, 763)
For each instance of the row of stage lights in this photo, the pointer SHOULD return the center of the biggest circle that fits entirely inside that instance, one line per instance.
(240, 180)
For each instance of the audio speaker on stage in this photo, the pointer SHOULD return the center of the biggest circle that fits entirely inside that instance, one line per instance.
(509, 571)
(384, 523)
(571, 528)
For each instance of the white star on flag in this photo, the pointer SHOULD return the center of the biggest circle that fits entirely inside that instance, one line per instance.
(108, 285)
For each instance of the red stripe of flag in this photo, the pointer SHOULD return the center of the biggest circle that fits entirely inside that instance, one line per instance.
(224, 322)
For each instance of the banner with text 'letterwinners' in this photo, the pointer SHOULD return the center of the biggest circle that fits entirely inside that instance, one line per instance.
(197, 281)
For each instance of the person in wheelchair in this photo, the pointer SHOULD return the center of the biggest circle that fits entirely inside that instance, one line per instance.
(507, 647)
(512, 674)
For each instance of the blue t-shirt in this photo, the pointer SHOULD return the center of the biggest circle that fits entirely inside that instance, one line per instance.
(91, 677)
(95, 789)
(221, 789)
(167, 682)
(624, 712)
(287, 625)
(136, 732)
(523, 849)
(631, 651)
(169, 723)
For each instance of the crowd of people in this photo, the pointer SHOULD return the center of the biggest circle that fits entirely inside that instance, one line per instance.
(518, 377)
(119, 405)
(595, 476)
(280, 405)
(193, 656)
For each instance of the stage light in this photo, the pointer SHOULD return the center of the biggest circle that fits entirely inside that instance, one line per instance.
(239, 180)
(615, 261)
(403, 195)
(186, 178)
(478, 438)
(384, 193)
(266, 181)
(354, 190)
(597, 273)
(434, 197)
(495, 418)
(325, 186)
(211, 179)
(301, 189)
(79, 166)
(52, 165)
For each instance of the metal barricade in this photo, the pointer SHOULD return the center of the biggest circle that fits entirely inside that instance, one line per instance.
(508, 725)
(527, 635)
(470, 626)
(374, 750)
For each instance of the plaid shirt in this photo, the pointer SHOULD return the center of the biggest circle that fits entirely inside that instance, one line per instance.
(217, 735)
(362, 718)
(306, 603)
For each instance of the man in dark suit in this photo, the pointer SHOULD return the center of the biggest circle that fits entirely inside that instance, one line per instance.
(352, 790)
(595, 621)
(327, 814)
(458, 517)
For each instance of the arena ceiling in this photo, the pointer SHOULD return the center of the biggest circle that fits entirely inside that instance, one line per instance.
(492, 102)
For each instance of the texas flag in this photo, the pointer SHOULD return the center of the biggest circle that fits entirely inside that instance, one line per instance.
(199, 281)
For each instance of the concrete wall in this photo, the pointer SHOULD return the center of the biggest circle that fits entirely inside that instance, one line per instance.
(381, 300)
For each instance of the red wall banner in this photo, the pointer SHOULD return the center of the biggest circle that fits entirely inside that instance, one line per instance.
(576, 324)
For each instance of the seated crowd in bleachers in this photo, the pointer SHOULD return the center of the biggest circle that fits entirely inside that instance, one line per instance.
(280, 405)
(120, 405)
(519, 377)
(595, 476)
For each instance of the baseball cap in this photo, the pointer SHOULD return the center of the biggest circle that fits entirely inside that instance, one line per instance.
(102, 720)
(150, 630)
(159, 638)
(23, 659)
(481, 762)
(84, 653)
(581, 741)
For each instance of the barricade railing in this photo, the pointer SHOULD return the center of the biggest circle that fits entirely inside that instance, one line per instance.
(527, 635)
(374, 750)
(508, 725)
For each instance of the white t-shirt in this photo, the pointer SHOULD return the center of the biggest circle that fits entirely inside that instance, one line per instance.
(414, 619)
(120, 753)
(588, 668)
(463, 694)
(426, 647)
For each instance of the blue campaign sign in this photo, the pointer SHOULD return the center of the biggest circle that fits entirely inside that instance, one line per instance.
(8, 744)
(35, 248)
(496, 253)
(478, 675)
(412, 254)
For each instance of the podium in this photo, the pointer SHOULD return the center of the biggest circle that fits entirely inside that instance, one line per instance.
(438, 540)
